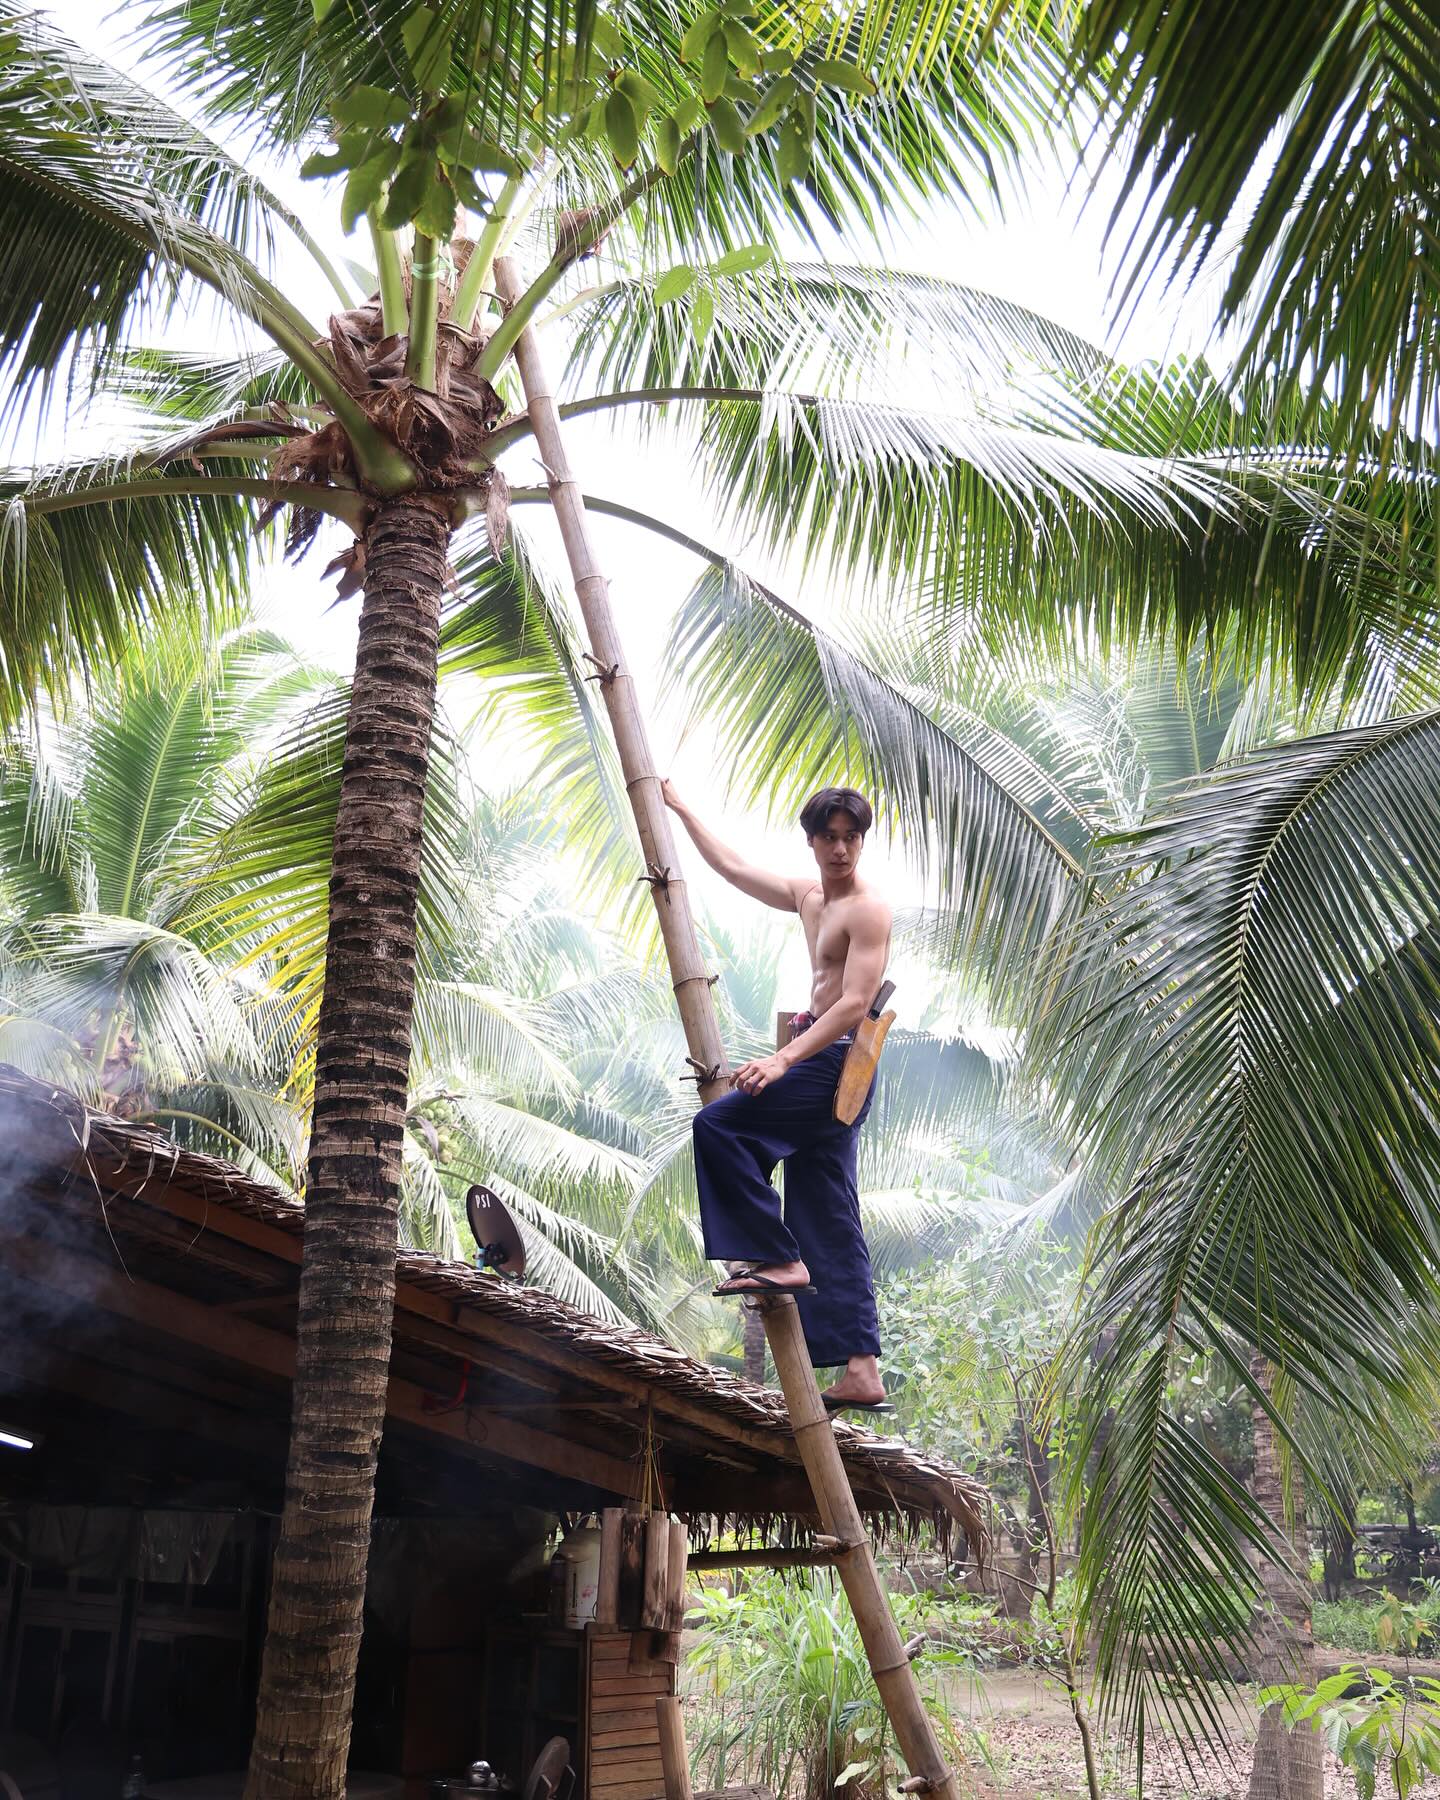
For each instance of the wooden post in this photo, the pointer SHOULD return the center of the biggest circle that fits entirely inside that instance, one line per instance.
(674, 1756)
(631, 1585)
(675, 1573)
(642, 783)
(657, 1566)
(607, 1593)
(815, 1439)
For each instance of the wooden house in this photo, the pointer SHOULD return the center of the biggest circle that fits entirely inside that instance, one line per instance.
(147, 1308)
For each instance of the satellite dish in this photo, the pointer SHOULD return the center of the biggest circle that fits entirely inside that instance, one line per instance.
(498, 1243)
(552, 1765)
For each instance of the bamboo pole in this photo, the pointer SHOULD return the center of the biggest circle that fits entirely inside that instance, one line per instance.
(889, 1662)
(642, 783)
(674, 1757)
(813, 1434)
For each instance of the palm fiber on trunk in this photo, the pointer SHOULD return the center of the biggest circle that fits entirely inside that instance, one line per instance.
(347, 1280)
(1288, 1765)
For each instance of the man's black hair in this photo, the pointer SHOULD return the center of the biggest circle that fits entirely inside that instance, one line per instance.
(815, 814)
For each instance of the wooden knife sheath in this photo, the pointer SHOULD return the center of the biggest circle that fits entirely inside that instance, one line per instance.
(858, 1069)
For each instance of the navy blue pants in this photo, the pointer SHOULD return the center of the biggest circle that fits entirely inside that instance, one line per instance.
(738, 1141)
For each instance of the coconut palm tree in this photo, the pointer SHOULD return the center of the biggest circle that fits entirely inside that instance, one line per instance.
(1226, 1019)
(152, 968)
(655, 134)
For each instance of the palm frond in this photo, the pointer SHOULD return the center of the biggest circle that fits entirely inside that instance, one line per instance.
(466, 1025)
(1246, 1037)
(822, 326)
(794, 710)
(93, 552)
(106, 196)
(514, 630)
(426, 1220)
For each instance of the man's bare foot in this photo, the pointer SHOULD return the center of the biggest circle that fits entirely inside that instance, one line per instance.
(860, 1385)
(765, 1278)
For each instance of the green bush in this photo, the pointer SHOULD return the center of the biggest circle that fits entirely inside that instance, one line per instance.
(1348, 1624)
(1381, 1622)
(788, 1701)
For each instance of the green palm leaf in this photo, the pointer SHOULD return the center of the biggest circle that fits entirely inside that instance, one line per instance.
(1334, 278)
(91, 553)
(820, 325)
(1247, 1038)
(107, 196)
(514, 630)
(794, 710)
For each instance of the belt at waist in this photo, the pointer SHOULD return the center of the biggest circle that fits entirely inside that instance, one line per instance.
(802, 1021)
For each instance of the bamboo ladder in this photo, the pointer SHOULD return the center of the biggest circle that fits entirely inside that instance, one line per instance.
(889, 1660)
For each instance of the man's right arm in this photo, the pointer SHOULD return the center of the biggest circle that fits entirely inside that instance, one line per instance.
(774, 890)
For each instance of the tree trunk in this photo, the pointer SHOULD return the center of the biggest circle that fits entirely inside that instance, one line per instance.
(642, 784)
(753, 1333)
(1340, 1545)
(347, 1278)
(1288, 1765)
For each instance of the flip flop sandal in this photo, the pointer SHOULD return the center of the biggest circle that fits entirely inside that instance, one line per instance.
(865, 1406)
(764, 1285)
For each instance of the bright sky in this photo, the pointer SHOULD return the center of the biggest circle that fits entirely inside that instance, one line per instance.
(1046, 253)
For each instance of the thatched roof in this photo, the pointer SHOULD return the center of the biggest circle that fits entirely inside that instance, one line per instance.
(486, 1363)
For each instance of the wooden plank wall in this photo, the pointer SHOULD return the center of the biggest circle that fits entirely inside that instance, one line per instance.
(623, 1749)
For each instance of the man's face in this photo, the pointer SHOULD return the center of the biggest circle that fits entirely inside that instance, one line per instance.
(837, 848)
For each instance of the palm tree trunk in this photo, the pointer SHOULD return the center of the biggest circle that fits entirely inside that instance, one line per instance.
(1288, 1765)
(347, 1278)
(652, 820)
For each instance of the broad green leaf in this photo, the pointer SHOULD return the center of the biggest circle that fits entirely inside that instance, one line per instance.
(473, 151)
(851, 1770)
(606, 40)
(427, 44)
(702, 314)
(714, 69)
(844, 75)
(324, 162)
(436, 213)
(728, 126)
(351, 149)
(322, 10)
(744, 261)
(470, 192)
(367, 183)
(793, 157)
(622, 128)
(641, 95)
(445, 119)
(372, 106)
(407, 190)
(744, 51)
(667, 144)
(689, 115)
(772, 103)
(674, 284)
(696, 40)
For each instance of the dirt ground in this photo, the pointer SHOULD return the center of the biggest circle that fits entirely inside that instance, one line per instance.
(1032, 1741)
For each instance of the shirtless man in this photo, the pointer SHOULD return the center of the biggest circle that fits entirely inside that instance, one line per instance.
(781, 1106)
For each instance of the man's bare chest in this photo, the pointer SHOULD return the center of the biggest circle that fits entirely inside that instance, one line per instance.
(827, 933)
